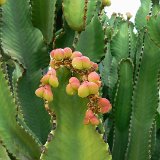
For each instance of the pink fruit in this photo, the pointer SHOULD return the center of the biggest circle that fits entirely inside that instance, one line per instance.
(90, 118)
(67, 52)
(83, 90)
(104, 105)
(58, 54)
(70, 90)
(74, 82)
(52, 72)
(93, 77)
(76, 54)
(94, 120)
(95, 66)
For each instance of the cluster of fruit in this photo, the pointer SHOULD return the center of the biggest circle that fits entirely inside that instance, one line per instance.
(86, 83)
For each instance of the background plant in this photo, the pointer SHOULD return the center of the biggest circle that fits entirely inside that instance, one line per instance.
(128, 63)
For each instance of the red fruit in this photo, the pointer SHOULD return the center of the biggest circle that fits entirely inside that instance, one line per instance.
(67, 52)
(94, 120)
(76, 54)
(74, 82)
(104, 105)
(90, 117)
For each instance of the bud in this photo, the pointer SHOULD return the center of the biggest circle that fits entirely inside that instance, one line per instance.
(104, 105)
(86, 62)
(76, 54)
(106, 2)
(70, 90)
(74, 82)
(129, 15)
(83, 90)
(58, 54)
(53, 81)
(77, 63)
(93, 88)
(39, 92)
(67, 52)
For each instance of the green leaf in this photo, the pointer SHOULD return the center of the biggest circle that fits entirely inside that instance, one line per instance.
(17, 141)
(43, 17)
(145, 102)
(91, 41)
(72, 139)
(24, 44)
(122, 109)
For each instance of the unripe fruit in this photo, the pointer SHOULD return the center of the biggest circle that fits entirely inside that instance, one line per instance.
(83, 90)
(57, 54)
(86, 63)
(76, 54)
(2, 2)
(74, 82)
(67, 52)
(70, 90)
(39, 92)
(47, 95)
(45, 79)
(106, 2)
(77, 63)
(53, 81)
(93, 88)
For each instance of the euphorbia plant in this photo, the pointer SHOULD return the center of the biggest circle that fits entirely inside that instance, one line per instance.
(72, 79)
